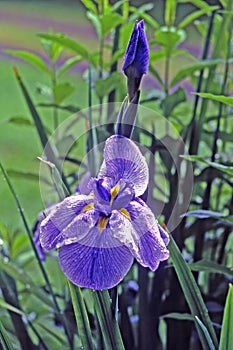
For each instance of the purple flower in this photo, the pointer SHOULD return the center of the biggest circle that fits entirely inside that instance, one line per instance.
(136, 58)
(100, 234)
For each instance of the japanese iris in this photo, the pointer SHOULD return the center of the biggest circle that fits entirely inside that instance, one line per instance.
(100, 234)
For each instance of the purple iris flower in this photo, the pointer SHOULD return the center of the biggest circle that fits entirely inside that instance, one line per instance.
(136, 58)
(100, 234)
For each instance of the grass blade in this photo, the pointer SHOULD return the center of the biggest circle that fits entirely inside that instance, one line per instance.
(5, 340)
(108, 324)
(206, 334)
(192, 294)
(226, 338)
(81, 317)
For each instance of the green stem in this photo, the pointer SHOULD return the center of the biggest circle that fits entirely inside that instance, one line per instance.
(81, 316)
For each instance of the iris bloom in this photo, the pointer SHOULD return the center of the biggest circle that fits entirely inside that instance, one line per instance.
(100, 234)
(136, 58)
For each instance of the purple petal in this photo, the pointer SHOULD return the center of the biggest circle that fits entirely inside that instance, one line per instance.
(123, 160)
(137, 53)
(98, 264)
(141, 234)
(131, 48)
(51, 230)
(141, 61)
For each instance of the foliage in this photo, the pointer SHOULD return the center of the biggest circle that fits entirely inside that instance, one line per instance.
(184, 304)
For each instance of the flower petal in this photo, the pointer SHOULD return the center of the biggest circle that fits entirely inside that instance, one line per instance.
(141, 61)
(51, 229)
(98, 263)
(123, 160)
(131, 49)
(141, 234)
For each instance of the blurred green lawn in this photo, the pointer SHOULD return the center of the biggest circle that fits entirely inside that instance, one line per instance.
(19, 145)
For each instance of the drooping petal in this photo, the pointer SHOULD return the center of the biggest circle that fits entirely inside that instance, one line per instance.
(141, 234)
(123, 160)
(51, 229)
(98, 262)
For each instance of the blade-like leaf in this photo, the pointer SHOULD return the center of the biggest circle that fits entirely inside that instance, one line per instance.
(219, 98)
(226, 337)
(31, 58)
(191, 69)
(179, 316)
(81, 316)
(5, 340)
(211, 266)
(190, 18)
(70, 62)
(206, 333)
(108, 324)
(20, 276)
(68, 43)
(62, 91)
(192, 293)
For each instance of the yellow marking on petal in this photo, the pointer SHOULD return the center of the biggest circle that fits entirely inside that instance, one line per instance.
(114, 192)
(102, 223)
(125, 213)
(88, 207)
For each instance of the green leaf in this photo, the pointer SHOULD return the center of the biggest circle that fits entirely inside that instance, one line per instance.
(68, 64)
(224, 168)
(17, 120)
(108, 324)
(52, 48)
(9, 307)
(62, 91)
(147, 18)
(21, 276)
(94, 18)
(206, 333)
(191, 69)
(61, 189)
(199, 3)
(169, 38)
(31, 58)
(109, 21)
(211, 267)
(81, 316)
(192, 293)
(155, 73)
(219, 98)
(170, 12)
(89, 4)
(226, 337)
(172, 100)
(68, 43)
(178, 316)
(190, 18)
(5, 340)
(105, 86)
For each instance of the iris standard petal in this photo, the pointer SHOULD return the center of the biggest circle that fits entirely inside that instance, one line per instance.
(123, 160)
(141, 61)
(139, 231)
(131, 49)
(98, 263)
(59, 218)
